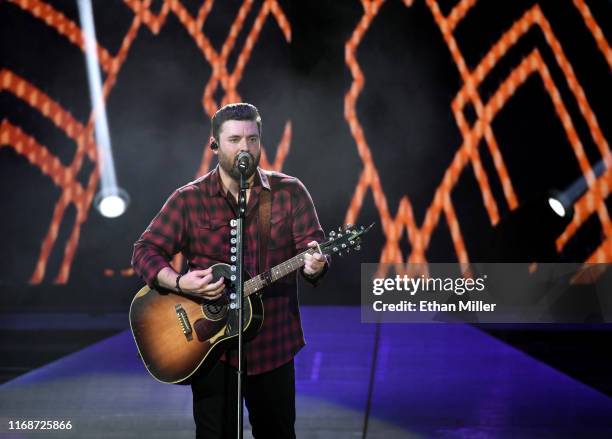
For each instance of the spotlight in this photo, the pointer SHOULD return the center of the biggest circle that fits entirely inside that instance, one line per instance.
(562, 202)
(556, 206)
(529, 232)
(112, 202)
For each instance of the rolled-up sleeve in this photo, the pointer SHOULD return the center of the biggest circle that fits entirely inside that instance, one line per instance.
(162, 239)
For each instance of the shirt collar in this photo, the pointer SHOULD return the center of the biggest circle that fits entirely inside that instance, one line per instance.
(216, 186)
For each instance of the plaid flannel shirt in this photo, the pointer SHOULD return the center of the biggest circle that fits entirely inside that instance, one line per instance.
(195, 220)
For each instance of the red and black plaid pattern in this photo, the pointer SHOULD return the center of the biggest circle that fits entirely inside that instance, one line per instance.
(195, 220)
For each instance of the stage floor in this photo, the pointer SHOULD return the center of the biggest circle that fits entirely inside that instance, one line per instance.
(431, 380)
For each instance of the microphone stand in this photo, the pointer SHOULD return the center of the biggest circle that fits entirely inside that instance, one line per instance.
(239, 290)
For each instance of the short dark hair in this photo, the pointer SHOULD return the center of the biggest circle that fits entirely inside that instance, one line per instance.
(238, 111)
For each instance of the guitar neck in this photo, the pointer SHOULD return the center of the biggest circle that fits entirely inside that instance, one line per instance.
(266, 278)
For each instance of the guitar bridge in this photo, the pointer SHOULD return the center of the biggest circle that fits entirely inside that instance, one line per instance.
(184, 321)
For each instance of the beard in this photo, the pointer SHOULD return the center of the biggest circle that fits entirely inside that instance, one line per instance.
(228, 163)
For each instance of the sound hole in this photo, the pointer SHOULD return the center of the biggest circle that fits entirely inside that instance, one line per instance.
(215, 311)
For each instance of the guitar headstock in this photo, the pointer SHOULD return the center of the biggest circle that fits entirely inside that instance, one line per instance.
(344, 240)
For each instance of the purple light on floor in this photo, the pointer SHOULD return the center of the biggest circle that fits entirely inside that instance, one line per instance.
(447, 379)
(439, 380)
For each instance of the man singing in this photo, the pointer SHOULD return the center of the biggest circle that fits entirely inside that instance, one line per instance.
(195, 220)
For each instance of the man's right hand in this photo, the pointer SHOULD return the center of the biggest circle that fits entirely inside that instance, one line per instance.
(199, 283)
(195, 283)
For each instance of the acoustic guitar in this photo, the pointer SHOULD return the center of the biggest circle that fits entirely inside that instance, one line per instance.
(178, 335)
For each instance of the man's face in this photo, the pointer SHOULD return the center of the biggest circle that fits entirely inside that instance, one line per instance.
(236, 136)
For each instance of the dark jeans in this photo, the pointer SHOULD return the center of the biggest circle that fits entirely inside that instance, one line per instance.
(269, 397)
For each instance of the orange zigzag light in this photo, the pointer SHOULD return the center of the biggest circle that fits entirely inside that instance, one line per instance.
(419, 238)
(82, 198)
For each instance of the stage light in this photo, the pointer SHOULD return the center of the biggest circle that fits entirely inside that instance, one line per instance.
(562, 202)
(112, 203)
(556, 206)
(111, 200)
(529, 233)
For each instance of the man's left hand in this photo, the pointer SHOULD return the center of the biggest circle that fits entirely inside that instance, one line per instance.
(313, 263)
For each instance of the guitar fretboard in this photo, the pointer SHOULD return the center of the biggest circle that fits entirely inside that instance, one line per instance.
(262, 280)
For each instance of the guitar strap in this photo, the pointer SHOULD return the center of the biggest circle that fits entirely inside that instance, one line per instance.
(265, 207)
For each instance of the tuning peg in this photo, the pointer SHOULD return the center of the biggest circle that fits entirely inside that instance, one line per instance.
(358, 248)
(332, 233)
(340, 254)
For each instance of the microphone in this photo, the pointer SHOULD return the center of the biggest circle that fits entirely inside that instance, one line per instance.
(245, 162)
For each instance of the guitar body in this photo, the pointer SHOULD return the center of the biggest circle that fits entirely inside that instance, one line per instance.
(178, 336)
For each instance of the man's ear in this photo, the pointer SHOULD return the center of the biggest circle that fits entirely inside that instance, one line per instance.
(214, 145)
